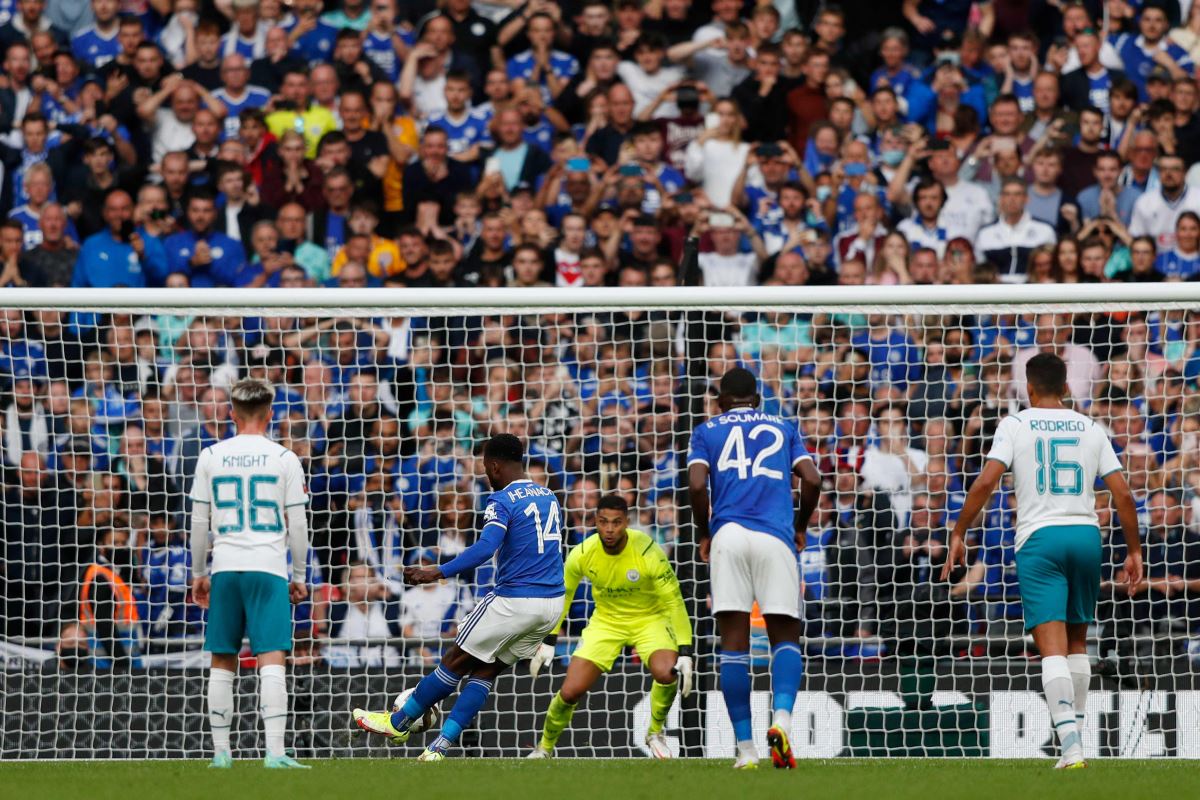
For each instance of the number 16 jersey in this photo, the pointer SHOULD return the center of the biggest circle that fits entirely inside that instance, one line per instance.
(1055, 455)
(750, 457)
(249, 483)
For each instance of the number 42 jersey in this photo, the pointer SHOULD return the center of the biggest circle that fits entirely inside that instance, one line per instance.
(750, 457)
(1055, 456)
(529, 560)
(249, 483)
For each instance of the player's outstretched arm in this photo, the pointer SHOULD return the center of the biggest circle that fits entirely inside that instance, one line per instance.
(981, 491)
(1127, 513)
(489, 542)
(698, 496)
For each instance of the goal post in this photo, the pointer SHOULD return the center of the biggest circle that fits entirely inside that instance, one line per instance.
(108, 396)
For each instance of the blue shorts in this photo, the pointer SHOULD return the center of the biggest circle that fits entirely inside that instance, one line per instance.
(1058, 571)
(253, 604)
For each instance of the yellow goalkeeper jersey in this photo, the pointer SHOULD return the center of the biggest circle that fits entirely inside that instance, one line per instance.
(630, 586)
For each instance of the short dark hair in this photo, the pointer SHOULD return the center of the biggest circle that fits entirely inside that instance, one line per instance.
(505, 447)
(613, 502)
(739, 382)
(1047, 374)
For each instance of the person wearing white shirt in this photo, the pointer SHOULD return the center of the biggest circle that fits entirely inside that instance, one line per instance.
(968, 206)
(1054, 336)
(922, 228)
(894, 466)
(1008, 241)
(715, 158)
(648, 77)
(365, 613)
(1156, 212)
(725, 265)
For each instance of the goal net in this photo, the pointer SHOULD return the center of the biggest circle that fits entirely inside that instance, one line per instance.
(108, 397)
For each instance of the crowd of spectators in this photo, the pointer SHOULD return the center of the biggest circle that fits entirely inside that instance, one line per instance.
(490, 143)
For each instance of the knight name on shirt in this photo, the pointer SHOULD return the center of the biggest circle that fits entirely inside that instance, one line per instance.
(244, 461)
(521, 492)
(1056, 425)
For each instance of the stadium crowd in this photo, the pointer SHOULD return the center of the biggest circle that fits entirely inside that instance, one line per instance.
(251, 143)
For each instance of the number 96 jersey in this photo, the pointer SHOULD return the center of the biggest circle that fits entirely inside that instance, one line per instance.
(529, 560)
(750, 458)
(249, 483)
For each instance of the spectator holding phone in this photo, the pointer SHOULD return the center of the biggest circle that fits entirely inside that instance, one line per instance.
(119, 255)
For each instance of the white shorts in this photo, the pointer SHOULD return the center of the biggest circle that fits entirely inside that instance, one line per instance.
(508, 628)
(747, 566)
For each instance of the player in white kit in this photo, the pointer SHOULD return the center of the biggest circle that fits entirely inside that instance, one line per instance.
(1055, 455)
(242, 491)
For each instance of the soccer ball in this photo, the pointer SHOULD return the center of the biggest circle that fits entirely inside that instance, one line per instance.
(428, 720)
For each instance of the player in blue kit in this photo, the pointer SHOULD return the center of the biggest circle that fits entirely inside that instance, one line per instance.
(523, 530)
(747, 459)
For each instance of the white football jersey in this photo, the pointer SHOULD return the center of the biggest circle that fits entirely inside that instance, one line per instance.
(1055, 456)
(249, 483)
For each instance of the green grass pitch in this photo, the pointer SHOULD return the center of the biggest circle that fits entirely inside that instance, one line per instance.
(569, 779)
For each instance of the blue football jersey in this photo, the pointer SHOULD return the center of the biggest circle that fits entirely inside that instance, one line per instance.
(750, 457)
(378, 48)
(252, 97)
(1138, 59)
(461, 135)
(95, 49)
(1173, 264)
(529, 562)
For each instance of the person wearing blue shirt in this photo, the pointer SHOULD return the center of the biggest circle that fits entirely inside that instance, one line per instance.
(97, 44)
(523, 531)
(119, 255)
(207, 256)
(31, 226)
(1182, 262)
(541, 65)
(895, 360)
(466, 129)
(167, 566)
(894, 71)
(312, 39)
(740, 469)
(237, 94)
(1150, 48)
(1108, 174)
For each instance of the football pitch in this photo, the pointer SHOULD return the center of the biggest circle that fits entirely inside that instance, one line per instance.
(570, 779)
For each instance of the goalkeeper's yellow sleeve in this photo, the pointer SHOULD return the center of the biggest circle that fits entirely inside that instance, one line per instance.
(670, 597)
(572, 575)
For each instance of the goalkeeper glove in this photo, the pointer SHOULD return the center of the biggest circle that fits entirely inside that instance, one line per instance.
(544, 655)
(683, 668)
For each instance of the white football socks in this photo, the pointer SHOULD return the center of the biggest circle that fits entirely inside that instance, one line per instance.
(1081, 677)
(273, 705)
(220, 707)
(782, 719)
(1059, 689)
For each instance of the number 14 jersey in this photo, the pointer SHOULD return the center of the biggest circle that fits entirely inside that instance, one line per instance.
(249, 483)
(1055, 455)
(529, 560)
(750, 457)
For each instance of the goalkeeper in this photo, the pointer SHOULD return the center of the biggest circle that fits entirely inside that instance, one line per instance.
(638, 603)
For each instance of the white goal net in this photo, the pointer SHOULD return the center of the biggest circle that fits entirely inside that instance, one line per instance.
(108, 397)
